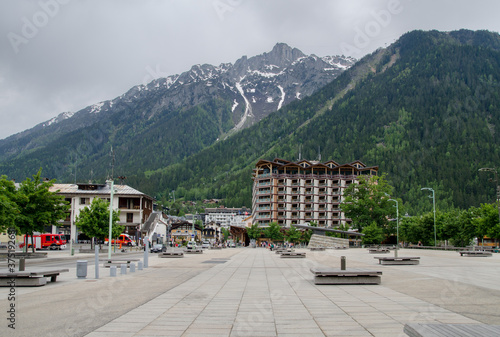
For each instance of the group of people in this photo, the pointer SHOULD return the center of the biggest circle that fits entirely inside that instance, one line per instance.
(272, 245)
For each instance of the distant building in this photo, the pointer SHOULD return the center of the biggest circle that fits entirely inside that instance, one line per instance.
(305, 191)
(226, 217)
(135, 207)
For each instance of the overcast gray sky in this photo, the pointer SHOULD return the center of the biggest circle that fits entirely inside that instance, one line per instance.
(63, 55)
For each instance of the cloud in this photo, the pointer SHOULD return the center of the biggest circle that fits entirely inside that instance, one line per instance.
(82, 52)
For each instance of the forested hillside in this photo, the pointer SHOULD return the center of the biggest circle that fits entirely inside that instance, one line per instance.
(425, 110)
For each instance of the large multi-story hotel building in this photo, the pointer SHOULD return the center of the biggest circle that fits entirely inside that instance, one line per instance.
(305, 191)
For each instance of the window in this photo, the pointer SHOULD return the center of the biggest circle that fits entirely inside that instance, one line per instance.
(84, 201)
(130, 217)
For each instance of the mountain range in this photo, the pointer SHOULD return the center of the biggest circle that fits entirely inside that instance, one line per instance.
(425, 109)
(169, 118)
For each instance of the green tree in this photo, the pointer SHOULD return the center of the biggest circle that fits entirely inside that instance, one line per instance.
(273, 232)
(489, 221)
(293, 235)
(8, 206)
(373, 234)
(410, 229)
(254, 232)
(225, 233)
(38, 206)
(367, 202)
(94, 220)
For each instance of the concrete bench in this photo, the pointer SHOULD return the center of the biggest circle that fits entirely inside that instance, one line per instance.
(279, 251)
(29, 278)
(378, 250)
(455, 330)
(348, 276)
(171, 254)
(475, 253)
(317, 248)
(194, 251)
(408, 260)
(293, 255)
(117, 262)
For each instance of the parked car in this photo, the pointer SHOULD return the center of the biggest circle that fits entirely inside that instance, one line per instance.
(205, 244)
(191, 245)
(158, 248)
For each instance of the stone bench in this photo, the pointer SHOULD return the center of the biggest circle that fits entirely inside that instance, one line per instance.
(293, 255)
(194, 251)
(171, 254)
(317, 248)
(283, 250)
(348, 276)
(475, 253)
(455, 330)
(117, 262)
(29, 278)
(400, 260)
(378, 250)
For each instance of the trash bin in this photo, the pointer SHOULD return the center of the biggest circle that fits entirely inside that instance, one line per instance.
(81, 268)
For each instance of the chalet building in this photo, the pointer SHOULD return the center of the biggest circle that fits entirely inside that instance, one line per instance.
(305, 191)
(212, 232)
(182, 231)
(135, 207)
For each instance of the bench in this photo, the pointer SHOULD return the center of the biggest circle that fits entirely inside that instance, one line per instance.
(378, 250)
(29, 278)
(194, 251)
(117, 262)
(398, 260)
(475, 253)
(455, 330)
(293, 254)
(171, 254)
(283, 250)
(317, 248)
(348, 276)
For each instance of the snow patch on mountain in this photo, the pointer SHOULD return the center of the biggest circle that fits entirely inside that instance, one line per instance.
(96, 108)
(280, 104)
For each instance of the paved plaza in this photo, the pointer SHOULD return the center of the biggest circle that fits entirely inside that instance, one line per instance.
(254, 292)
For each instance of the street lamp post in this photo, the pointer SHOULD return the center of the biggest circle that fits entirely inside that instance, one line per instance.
(397, 225)
(112, 189)
(434, 207)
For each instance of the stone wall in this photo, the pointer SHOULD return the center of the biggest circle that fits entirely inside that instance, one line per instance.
(321, 241)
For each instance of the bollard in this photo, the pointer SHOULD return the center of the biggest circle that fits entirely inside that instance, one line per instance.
(81, 268)
(96, 262)
(112, 271)
(132, 267)
(123, 269)
(146, 252)
(139, 265)
(22, 264)
(342, 263)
